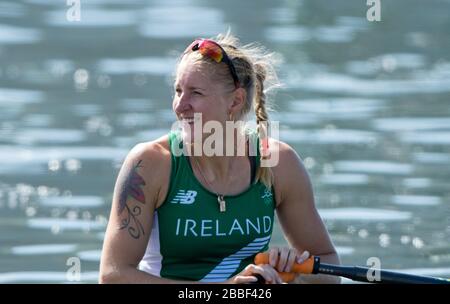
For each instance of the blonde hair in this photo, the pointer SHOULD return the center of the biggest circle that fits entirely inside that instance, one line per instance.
(255, 68)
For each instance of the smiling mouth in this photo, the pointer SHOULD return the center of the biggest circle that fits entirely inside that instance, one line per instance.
(188, 120)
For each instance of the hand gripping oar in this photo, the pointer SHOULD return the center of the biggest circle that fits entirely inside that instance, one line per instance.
(355, 273)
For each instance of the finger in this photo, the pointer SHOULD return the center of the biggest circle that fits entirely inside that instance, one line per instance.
(259, 269)
(303, 257)
(259, 279)
(248, 270)
(282, 260)
(275, 278)
(269, 274)
(273, 256)
(278, 279)
(291, 259)
(245, 279)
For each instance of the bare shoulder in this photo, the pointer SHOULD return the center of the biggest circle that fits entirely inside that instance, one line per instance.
(288, 161)
(289, 171)
(157, 149)
(153, 161)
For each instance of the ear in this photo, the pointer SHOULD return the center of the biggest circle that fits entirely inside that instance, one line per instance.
(239, 98)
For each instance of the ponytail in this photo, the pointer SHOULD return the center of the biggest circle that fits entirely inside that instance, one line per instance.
(263, 174)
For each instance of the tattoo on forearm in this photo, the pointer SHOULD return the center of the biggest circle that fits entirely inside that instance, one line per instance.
(132, 186)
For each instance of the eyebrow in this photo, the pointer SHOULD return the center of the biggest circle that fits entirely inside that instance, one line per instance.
(192, 88)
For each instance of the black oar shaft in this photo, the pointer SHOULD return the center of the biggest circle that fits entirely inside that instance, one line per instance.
(363, 274)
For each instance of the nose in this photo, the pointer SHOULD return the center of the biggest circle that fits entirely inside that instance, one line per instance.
(181, 104)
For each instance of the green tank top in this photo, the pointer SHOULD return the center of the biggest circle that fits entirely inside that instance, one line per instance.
(192, 240)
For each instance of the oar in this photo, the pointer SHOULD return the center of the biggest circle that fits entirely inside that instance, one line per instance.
(355, 273)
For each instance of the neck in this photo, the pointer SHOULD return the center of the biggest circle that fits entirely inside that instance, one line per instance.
(222, 174)
(216, 164)
(216, 167)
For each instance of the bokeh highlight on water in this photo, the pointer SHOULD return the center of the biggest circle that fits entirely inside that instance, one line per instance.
(365, 104)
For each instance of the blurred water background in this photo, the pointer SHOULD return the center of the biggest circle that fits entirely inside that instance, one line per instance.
(365, 104)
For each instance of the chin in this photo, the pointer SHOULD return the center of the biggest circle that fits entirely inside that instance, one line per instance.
(188, 134)
(189, 137)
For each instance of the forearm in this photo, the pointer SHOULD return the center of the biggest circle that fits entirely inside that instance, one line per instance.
(130, 275)
(331, 258)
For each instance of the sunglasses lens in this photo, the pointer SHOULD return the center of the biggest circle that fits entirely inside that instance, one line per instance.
(210, 50)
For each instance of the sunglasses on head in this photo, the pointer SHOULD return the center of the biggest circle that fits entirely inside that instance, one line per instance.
(214, 51)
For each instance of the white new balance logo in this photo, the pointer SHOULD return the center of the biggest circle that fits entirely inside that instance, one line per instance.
(185, 197)
(267, 194)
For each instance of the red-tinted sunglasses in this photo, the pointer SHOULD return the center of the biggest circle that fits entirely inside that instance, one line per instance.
(214, 51)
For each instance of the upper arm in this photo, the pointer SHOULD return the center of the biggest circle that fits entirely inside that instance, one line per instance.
(296, 210)
(136, 195)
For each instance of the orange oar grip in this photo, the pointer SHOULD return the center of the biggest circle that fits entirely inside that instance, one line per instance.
(306, 267)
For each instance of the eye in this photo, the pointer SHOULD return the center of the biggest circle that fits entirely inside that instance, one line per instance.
(178, 91)
(197, 93)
